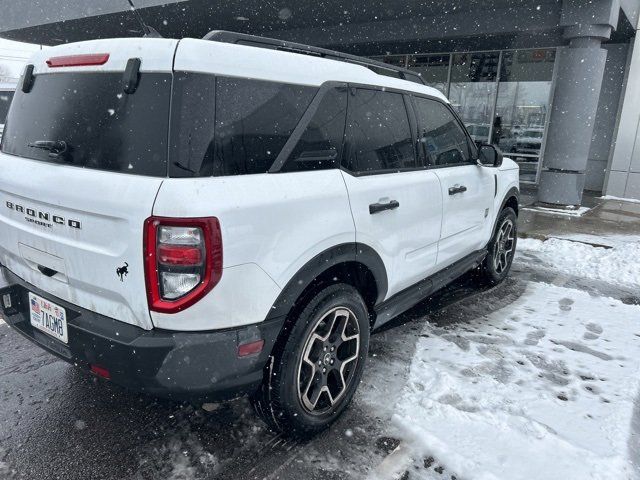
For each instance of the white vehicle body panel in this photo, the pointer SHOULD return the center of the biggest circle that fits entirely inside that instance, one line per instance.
(111, 208)
(406, 238)
(275, 222)
(467, 216)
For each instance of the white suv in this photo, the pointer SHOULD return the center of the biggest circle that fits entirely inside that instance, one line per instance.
(201, 219)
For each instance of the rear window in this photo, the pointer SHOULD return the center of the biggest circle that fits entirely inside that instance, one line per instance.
(5, 101)
(231, 126)
(103, 127)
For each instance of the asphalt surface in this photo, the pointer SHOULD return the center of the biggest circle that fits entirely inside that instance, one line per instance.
(58, 422)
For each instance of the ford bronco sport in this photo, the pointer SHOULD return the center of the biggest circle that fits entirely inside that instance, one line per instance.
(202, 219)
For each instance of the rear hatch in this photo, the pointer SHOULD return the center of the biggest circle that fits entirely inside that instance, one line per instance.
(81, 163)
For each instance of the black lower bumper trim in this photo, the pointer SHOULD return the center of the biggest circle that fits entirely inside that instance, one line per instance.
(195, 366)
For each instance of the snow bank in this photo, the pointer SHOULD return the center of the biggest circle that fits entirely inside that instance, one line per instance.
(543, 388)
(617, 265)
(620, 199)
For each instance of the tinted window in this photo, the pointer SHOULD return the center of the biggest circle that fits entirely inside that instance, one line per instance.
(103, 127)
(192, 125)
(379, 135)
(5, 101)
(440, 135)
(254, 120)
(320, 146)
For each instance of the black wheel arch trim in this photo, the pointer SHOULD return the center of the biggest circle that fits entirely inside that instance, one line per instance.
(513, 192)
(336, 255)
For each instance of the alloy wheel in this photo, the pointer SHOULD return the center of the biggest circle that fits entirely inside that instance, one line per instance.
(503, 248)
(329, 360)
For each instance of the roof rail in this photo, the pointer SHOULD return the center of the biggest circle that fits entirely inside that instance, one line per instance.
(274, 44)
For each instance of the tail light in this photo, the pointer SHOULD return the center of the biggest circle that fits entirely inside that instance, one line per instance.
(183, 261)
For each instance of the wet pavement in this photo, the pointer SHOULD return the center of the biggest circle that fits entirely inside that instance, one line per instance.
(57, 422)
(604, 218)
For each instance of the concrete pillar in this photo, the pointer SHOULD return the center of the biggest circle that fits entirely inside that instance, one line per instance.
(575, 101)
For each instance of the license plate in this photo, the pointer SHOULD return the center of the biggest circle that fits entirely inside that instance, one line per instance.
(48, 317)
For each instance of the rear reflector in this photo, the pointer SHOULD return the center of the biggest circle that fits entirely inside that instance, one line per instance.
(250, 348)
(100, 372)
(78, 60)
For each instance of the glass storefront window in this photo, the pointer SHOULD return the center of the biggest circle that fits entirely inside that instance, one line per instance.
(522, 106)
(509, 110)
(473, 90)
(433, 68)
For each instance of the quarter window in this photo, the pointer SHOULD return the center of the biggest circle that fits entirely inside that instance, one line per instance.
(320, 146)
(441, 137)
(378, 132)
(254, 120)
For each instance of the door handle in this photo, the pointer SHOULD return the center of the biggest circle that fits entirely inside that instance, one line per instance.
(380, 207)
(457, 189)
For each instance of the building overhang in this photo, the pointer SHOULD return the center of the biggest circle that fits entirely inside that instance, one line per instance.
(366, 27)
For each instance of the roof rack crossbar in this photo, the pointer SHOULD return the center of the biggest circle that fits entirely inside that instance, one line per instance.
(293, 47)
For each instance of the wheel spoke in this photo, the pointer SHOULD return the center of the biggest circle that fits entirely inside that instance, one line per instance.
(343, 333)
(315, 397)
(508, 229)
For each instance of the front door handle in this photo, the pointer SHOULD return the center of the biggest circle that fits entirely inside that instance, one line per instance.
(380, 207)
(457, 189)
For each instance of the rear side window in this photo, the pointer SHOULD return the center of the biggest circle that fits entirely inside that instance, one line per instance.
(253, 121)
(102, 127)
(440, 135)
(378, 132)
(320, 146)
(5, 101)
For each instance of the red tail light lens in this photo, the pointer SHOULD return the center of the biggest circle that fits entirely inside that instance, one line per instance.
(78, 60)
(183, 261)
(179, 255)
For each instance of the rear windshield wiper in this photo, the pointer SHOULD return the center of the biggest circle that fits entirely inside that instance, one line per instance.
(57, 148)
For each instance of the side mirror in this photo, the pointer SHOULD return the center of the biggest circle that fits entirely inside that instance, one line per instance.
(489, 155)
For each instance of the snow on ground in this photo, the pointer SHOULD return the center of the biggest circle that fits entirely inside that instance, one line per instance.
(543, 388)
(617, 265)
(546, 387)
(577, 212)
(611, 197)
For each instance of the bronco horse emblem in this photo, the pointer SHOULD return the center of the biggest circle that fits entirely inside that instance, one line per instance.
(122, 271)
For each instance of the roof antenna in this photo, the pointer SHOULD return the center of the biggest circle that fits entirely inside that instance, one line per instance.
(148, 31)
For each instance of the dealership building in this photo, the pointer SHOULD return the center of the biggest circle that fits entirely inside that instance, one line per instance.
(554, 83)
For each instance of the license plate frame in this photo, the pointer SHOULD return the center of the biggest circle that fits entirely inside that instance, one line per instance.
(48, 317)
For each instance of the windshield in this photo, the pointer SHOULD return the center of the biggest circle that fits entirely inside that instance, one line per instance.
(99, 125)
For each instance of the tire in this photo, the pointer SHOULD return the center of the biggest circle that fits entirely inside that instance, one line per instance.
(302, 392)
(501, 248)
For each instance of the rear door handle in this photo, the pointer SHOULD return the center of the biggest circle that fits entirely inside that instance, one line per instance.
(380, 207)
(457, 189)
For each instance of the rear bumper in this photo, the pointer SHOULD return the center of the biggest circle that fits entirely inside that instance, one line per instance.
(195, 366)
